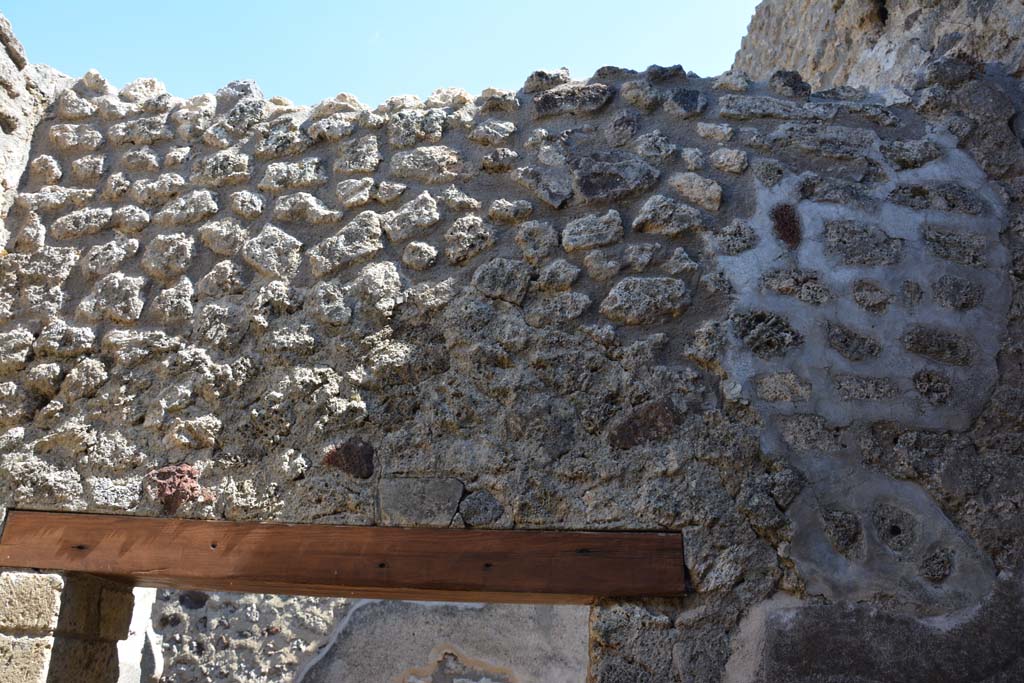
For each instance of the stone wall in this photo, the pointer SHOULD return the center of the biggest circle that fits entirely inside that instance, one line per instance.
(784, 324)
(30, 606)
(55, 629)
(880, 45)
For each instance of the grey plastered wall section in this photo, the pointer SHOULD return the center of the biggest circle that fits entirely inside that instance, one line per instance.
(780, 323)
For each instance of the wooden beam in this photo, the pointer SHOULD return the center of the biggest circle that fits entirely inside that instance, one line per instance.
(377, 562)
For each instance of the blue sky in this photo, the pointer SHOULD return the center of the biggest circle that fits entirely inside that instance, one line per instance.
(307, 50)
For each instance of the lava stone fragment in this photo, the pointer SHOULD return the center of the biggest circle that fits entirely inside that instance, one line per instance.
(653, 421)
(354, 457)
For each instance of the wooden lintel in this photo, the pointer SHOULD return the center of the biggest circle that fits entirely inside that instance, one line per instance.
(322, 560)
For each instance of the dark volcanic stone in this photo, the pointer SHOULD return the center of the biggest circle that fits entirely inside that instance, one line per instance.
(833, 191)
(933, 386)
(789, 84)
(963, 248)
(957, 293)
(354, 457)
(895, 528)
(766, 334)
(652, 421)
(193, 599)
(551, 187)
(786, 224)
(479, 508)
(937, 565)
(541, 80)
(621, 128)
(910, 153)
(657, 73)
(939, 197)
(768, 171)
(608, 176)
(950, 71)
(686, 103)
(842, 529)
(938, 345)
(850, 344)
(573, 99)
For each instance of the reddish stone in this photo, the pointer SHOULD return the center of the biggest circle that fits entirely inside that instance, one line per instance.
(786, 224)
(175, 485)
(354, 457)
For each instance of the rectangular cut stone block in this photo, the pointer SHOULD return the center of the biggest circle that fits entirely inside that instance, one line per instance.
(29, 603)
(83, 661)
(95, 609)
(24, 659)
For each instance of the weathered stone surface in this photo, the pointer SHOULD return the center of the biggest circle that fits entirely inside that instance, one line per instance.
(431, 642)
(938, 344)
(868, 44)
(505, 211)
(414, 217)
(552, 188)
(948, 196)
(857, 244)
(421, 502)
(467, 237)
(187, 209)
(957, 293)
(663, 216)
(704, 192)
(765, 334)
(354, 192)
(652, 421)
(223, 168)
(572, 98)
(115, 297)
(25, 659)
(611, 176)
(305, 208)
(625, 330)
(492, 132)
(788, 84)
(729, 160)
(359, 239)
(590, 231)
(960, 247)
(176, 485)
(804, 285)
(851, 344)
(273, 253)
(419, 255)
(645, 300)
(32, 603)
(358, 156)
(224, 237)
(504, 279)
(354, 457)
(246, 205)
(910, 153)
(558, 308)
(542, 80)
(282, 176)
(436, 164)
(686, 103)
(81, 223)
(810, 642)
